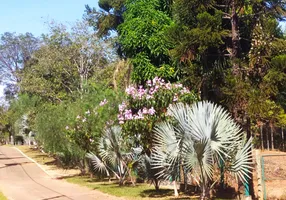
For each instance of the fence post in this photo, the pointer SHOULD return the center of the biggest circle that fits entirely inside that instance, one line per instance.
(263, 178)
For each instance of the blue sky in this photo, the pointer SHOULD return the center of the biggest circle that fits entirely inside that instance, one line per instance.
(23, 16)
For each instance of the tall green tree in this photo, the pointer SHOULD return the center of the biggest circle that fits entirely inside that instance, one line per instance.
(142, 38)
(60, 69)
(141, 34)
(107, 18)
(15, 52)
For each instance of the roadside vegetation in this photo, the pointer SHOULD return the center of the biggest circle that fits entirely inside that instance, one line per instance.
(151, 91)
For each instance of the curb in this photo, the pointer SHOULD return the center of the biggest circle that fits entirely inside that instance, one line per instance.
(40, 166)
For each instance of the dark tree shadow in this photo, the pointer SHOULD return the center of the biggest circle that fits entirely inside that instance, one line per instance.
(157, 193)
(227, 193)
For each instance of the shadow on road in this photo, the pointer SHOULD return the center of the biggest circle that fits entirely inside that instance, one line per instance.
(13, 164)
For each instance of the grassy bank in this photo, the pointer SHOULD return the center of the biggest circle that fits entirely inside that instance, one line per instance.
(140, 191)
(37, 155)
(48, 163)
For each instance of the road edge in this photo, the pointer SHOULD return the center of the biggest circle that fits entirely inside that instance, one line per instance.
(31, 159)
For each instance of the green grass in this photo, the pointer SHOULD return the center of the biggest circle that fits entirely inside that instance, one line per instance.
(140, 191)
(2, 197)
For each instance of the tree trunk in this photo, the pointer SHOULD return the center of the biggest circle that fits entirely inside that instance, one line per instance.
(282, 134)
(81, 85)
(185, 180)
(235, 39)
(272, 138)
(261, 133)
(115, 73)
(82, 167)
(121, 180)
(221, 166)
(131, 178)
(205, 192)
(267, 138)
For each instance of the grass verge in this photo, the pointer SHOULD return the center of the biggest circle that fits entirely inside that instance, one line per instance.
(140, 191)
(39, 157)
(48, 163)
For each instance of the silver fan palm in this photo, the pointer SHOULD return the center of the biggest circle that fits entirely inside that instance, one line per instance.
(199, 137)
(112, 155)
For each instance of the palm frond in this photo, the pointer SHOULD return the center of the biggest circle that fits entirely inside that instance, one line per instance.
(241, 164)
(208, 120)
(166, 153)
(180, 112)
(98, 165)
(165, 138)
(110, 145)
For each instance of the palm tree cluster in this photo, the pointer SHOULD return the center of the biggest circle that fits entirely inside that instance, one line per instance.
(199, 138)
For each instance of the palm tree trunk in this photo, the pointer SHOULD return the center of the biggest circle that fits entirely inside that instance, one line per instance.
(221, 166)
(205, 192)
(156, 182)
(175, 189)
(185, 181)
(121, 181)
(235, 51)
(82, 167)
(131, 178)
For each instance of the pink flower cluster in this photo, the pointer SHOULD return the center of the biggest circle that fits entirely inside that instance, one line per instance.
(126, 114)
(132, 91)
(153, 86)
(102, 103)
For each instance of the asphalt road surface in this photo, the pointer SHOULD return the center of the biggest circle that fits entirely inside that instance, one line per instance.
(22, 179)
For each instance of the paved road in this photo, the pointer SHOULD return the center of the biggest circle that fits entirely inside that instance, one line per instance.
(21, 179)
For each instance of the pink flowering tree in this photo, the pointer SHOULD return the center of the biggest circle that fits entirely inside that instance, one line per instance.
(83, 129)
(145, 106)
(87, 119)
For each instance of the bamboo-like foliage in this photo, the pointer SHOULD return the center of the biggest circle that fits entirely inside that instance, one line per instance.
(200, 136)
